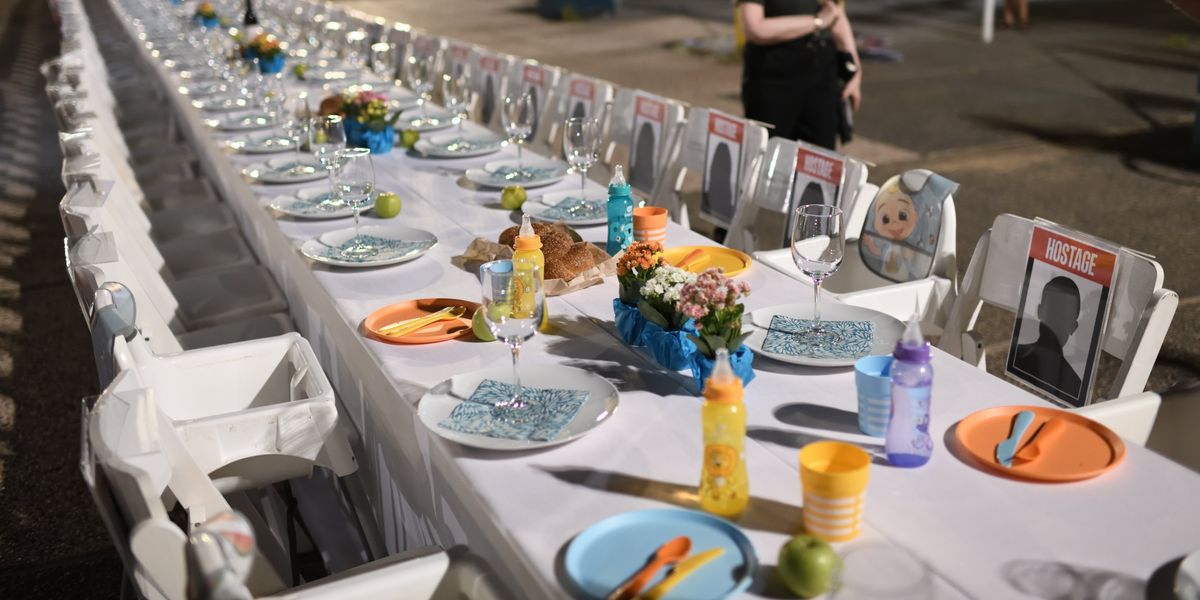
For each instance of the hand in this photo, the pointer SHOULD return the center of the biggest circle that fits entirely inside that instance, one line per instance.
(852, 91)
(829, 13)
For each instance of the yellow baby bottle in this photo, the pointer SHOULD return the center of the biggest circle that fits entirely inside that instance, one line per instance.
(724, 485)
(527, 249)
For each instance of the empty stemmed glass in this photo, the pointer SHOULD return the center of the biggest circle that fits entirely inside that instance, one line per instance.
(517, 119)
(456, 95)
(420, 79)
(381, 61)
(327, 135)
(296, 116)
(354, 184)
(818, 243)
(512, 309)
(581, 141)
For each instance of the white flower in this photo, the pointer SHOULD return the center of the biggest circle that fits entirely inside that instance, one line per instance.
(666, 284)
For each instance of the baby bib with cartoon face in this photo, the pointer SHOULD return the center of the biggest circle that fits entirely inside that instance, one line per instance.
(903, 228)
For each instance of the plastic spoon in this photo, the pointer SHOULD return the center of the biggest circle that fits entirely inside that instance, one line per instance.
(1045, 435)
(1006, 449)
(681, 571)
(667, 554)
(407, 326)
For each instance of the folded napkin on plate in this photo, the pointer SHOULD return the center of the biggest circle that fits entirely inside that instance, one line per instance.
(515, 175)
(466, 144)
(313, 205)
(576, 209)
(551, 410)
(787, 336)
(387, 248)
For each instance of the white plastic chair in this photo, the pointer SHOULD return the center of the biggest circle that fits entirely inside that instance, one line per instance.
(541, 82)
(1140, 314)
(577, 96)
(641, 134)
(708, 148)
(491, 79)
(766, 222)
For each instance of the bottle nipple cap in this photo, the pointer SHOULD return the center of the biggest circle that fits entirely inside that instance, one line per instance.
(527, 238)
(912, 345)
(618, 185)
(723, 386)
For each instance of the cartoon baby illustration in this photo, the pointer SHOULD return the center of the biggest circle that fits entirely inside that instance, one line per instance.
(901, 232)
(896, 218)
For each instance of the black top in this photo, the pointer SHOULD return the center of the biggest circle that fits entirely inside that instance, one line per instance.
(786, 8)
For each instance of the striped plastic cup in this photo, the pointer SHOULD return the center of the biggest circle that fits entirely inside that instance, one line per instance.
(650, 224)
(874, 394)
(834, 478)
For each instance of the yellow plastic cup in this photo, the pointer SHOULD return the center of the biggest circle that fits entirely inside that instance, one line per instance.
(834, 478)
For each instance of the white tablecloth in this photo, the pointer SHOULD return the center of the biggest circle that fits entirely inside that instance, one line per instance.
(976, 532)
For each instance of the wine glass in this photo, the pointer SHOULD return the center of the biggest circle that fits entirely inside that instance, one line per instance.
(512, 309)
(327, 135)
(354, 184)
(818, 243)
(581, 141)
(420, 79)
(456, 95)
(296, 117)
(517, 119)
(381, 60)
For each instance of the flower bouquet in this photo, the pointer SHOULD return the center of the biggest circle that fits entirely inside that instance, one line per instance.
(367, 122)
(634, 267)
(266, 49)
(712, 302)
(668, 331)
(206, 15)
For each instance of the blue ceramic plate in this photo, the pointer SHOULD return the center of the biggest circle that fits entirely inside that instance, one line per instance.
(609, 552)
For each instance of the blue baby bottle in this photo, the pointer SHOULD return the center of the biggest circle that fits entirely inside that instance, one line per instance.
(620, 213)
(908, 443)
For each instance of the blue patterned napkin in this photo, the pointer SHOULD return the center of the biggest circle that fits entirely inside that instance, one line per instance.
(787, 336)
(576, 209)
(553, 409)
(506, 174)
(464, 145)
(387, 249)
(314, 205)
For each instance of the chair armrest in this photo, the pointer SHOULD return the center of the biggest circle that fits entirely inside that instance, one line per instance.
(1131, 417)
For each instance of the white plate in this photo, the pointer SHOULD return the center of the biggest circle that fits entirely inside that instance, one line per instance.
(324, 248)
(443, 145)
(538, 208)
(306, 204)
(601, 403)
(546, 172)
(887, 330)
(433, 120)
(263, 143)
(275, 170)
(203, 90)
(241, 122)
(223, 103)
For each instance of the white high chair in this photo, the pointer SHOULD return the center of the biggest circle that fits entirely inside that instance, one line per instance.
(855, 283)
(641, 134)
(1140, 314)
(704, 148)
(540, 81)
(766, 222)
(577, 96)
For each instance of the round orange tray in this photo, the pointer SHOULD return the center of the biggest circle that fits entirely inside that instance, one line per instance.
(1084, 449)
(410, 309)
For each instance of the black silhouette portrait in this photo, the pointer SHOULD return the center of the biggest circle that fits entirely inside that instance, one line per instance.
(579, 112)
(533, 103)
(641, 169)
(718, 190)
(812, 194)
(1058, 318)
(488, 103)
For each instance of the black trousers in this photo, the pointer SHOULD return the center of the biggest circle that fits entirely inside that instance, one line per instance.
(794, 86)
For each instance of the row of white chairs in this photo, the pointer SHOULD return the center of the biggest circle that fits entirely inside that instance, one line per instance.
(208, 405)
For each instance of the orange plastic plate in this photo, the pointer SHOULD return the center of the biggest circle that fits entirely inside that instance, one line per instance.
(410, 309)
(731, 261)
(1083, 450)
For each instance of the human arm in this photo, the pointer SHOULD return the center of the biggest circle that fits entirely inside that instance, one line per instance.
(760, 29)
(843, 39)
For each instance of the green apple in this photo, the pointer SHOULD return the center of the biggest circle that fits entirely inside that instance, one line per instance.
(300, 70)
(512, 197)
(409, 137)
(387, 205)
(808, 566)
(480, 328)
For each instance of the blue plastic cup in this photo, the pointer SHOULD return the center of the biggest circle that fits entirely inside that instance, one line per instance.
(871, 377)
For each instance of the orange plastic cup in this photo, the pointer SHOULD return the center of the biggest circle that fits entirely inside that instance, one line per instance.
(834, 478)
(650, 224)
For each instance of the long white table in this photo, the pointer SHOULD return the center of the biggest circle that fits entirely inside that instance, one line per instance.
(980, 535)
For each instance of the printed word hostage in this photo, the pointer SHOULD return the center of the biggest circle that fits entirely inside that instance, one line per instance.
(818, 166)
(1071, 257)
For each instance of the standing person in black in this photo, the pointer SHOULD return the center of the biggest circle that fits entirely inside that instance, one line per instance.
(790, 73)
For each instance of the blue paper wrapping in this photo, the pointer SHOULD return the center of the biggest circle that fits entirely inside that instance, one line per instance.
(271, 65)
(672, 349)
(359, 135)
(742, 361)
(208, 22)
(630, 322)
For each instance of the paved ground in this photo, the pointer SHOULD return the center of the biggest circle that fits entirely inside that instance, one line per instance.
(1083, 119)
